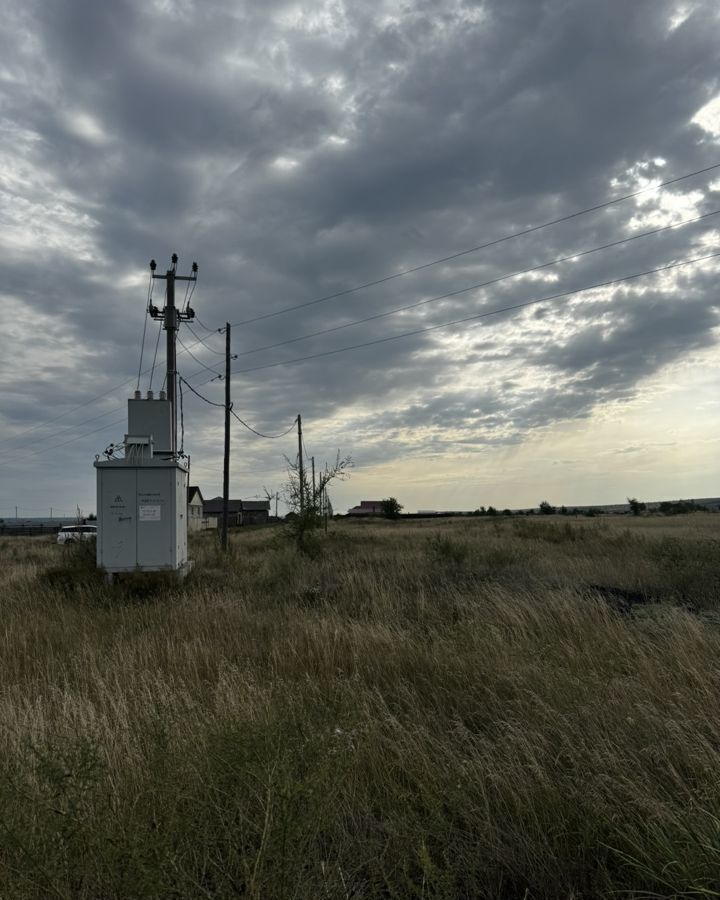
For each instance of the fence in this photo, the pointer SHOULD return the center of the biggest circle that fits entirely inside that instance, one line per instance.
(29, 530)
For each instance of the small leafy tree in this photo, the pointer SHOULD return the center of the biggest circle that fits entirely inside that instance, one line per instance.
(391, 508)
(636, 507)
(546, 509)
(305, 517)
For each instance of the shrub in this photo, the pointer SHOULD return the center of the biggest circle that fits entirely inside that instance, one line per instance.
(446, 551)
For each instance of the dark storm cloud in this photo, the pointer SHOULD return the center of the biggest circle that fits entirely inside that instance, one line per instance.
(295, 156)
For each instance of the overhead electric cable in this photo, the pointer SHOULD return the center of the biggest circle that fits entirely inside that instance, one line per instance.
(157, 344)
(182, 423)
(202, 341)
(483, 315)
(82, 405)
(13, 452)
(242, 422)
(198, 361)
(211, 330)
(493, 243)
(198, 394)
(187, 299)
(64, 414)
(259, 433)
(42, 450)
(308, 455)
(398, 309)
(145, 321)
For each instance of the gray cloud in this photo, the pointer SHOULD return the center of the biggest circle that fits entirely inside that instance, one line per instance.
(294, 156)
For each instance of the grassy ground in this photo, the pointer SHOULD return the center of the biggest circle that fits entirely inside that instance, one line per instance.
(456, 709)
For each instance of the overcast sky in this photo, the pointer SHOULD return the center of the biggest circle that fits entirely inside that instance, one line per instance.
(301, 150)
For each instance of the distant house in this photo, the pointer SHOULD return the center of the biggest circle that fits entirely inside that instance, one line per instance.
(367, 508)
(214, 508)
(240, 512)
(255, 512)
(196, 518)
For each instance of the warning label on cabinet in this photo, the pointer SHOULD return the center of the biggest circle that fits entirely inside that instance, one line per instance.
(149, 513)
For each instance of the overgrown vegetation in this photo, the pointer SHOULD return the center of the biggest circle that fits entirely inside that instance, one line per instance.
(309, 502)
(477, 708)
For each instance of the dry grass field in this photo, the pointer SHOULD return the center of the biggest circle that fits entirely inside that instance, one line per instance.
(520, 708)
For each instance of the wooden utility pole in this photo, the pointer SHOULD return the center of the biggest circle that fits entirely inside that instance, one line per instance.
(301, 472)
(314, 497)
(226, 461)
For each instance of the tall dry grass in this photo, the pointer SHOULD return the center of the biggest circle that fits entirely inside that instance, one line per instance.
(456, 709)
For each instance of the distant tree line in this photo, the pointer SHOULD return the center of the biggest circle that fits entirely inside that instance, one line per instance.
(392, 509)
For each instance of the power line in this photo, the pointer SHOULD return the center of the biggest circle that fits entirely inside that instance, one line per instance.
(211, 330)
(414, 332)
(483, 315)
(157, 344)
(199, 362)
(203, 341)
(242, 422)
(474, 317)
(43, 450)
(473, 287)
(182, 422)
(81, 406)
(198, 394)
(14, 451)
(187, 299)
(259, 433)
(493, 243)
(145, 321)
(15, 437)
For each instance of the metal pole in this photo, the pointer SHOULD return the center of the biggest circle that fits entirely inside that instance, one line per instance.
(301, 473)
(226, 462)
(171, 329)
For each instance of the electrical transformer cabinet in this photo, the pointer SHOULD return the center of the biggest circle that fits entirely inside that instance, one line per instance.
(142, 500)
(142, 511)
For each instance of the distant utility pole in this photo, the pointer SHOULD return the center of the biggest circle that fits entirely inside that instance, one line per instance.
(172, 317)
(300, 465)
(226, 461)
(314, 491)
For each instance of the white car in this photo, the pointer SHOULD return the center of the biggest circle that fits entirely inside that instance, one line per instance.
(72, 533)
